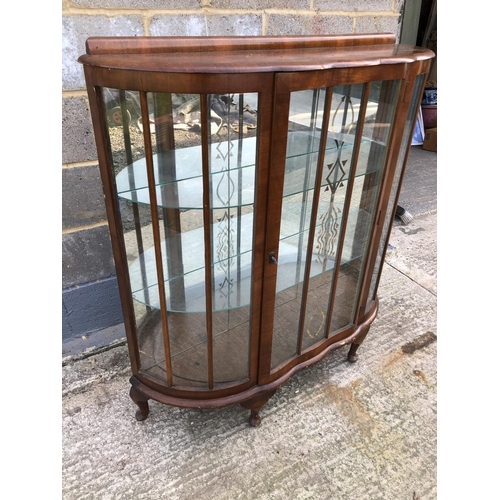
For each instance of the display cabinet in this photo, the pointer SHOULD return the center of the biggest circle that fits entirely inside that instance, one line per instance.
(250, 186)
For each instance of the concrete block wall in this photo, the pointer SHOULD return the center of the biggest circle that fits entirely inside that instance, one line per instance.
(90, 295)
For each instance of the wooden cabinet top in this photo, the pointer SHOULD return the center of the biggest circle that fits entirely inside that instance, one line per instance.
(248, 54)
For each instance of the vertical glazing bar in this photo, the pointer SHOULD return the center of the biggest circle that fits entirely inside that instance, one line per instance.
(347, 203)
(207, 223)
(314, 212)
(156, 232)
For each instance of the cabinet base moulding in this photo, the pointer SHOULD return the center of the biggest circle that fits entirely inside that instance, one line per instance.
(257, 396)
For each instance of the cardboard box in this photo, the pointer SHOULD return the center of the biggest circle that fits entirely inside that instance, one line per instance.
(430, 139)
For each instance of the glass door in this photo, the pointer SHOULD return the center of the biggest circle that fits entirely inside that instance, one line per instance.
(336, 148)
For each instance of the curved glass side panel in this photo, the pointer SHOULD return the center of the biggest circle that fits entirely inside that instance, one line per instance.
(405, 144)
(162, 184)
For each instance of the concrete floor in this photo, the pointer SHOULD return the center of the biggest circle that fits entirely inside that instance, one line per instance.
(334, 431)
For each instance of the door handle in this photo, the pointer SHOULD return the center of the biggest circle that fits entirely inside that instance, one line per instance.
(272, 258)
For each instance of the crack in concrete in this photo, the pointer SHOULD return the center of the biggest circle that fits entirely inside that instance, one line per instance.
(410, 278)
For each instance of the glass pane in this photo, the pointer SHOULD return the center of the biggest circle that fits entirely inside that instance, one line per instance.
(336, 179)
(233, 150)
(369, 174)
(405, 144)
(305, 122)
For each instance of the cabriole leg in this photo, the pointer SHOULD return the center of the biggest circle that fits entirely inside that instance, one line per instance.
(255, 405)
(141, 401)
(352, 357)
(254, 419)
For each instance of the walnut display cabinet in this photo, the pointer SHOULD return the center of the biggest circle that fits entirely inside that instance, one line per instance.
(250, 187)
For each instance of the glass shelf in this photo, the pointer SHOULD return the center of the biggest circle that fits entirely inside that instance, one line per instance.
(132, 182)
(189, 191)
(144, 280)
(236, 291)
